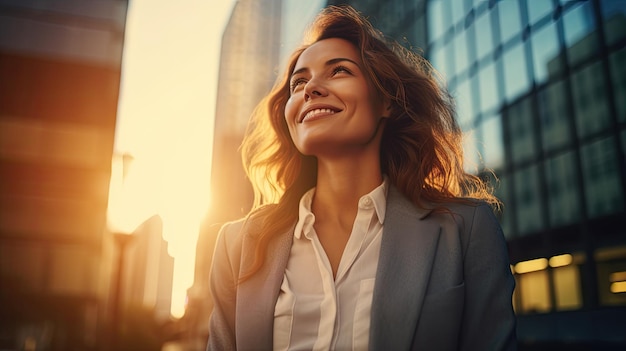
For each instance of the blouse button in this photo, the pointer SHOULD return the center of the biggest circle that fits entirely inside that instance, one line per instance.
(366, 202)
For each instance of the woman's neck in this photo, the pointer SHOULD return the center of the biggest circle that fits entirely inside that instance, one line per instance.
(340, 185)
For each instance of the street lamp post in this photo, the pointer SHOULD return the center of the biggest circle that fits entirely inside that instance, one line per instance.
(121, 222)
(121, 241)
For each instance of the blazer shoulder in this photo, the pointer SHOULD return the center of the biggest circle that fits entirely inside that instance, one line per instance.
(254, 219)
(467, 218)
(475, 211)
(233, 234)
(470, 207)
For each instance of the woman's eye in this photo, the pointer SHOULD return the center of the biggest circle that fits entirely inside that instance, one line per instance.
(340, 69)
(296, 83)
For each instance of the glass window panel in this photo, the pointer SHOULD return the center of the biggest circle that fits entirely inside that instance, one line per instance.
(465, 111)
(590, 102)
(611, 271)
(537, 9)
(521, 131)
(555, 121)
(437, 58)
(580, 32)
(435, 19)
(547, 61)
(417, 33)
(398, 9)
(484, 38)
(603, 187)
(449, 71)
(460, 49)
(516, 80)
(534, 292)
(567, 288)
(528, 201)
(563, 198)
(488, 90)
(477, 3)
(618, 81)
(492, 145)
(447, 14)
(614, 15)
(510, 20)
(457, 10)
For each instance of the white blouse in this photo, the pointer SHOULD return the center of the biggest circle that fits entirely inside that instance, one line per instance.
(315, 311)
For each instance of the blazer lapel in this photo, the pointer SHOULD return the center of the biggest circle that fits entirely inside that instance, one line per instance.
(406, 256)
(256, 297)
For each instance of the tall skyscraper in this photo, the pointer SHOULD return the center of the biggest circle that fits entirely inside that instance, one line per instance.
(248, 68)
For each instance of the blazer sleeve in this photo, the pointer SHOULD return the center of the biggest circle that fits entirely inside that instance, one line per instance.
(223, 287)
(488, 317)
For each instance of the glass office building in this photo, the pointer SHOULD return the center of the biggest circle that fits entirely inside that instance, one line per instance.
(541, 95)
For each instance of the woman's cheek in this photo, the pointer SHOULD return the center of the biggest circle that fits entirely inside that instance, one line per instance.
(290, 110)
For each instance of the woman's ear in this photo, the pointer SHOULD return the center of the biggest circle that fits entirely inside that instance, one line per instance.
(386, 108)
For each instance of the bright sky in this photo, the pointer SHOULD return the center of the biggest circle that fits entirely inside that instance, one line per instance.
(165, 120)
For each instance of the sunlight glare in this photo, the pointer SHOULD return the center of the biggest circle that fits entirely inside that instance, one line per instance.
(166, 117)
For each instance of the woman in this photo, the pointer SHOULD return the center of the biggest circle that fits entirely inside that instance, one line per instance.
(372, 236)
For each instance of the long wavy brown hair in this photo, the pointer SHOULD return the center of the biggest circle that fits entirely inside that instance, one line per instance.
(421, 149)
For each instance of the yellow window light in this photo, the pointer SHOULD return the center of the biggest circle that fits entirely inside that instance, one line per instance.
(617, 277)
(531, 265)
(618, 287)
(560, 260)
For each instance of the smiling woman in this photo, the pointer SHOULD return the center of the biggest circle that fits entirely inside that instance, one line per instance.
(332, 109)
(367, 233)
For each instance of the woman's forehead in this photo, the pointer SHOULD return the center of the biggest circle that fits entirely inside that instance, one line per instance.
(325, 50)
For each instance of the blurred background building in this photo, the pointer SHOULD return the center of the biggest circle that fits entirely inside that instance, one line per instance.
(60, 71)
(540, 88)
(247, 70)
(60, 67)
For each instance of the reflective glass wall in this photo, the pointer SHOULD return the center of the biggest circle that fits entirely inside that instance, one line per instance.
(539, 80)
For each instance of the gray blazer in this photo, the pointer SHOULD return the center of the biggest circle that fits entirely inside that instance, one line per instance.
(443, 283)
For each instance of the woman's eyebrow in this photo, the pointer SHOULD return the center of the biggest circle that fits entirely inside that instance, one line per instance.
(340, 59)
(328, 63)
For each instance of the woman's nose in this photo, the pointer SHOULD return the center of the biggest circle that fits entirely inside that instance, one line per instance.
(313, 89)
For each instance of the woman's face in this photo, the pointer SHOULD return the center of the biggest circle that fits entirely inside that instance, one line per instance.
(333, 109)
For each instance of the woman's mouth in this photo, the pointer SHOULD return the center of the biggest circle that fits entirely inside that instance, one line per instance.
(317, 113)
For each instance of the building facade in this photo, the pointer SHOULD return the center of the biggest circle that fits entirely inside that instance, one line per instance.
(60, 64)
(540, 89)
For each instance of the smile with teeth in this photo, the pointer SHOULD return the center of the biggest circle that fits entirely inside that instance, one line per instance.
(317, 113)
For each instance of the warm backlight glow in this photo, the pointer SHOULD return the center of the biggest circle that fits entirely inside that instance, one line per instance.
(560, 260)
(531, 266)
(128, 199)
(166, 117)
